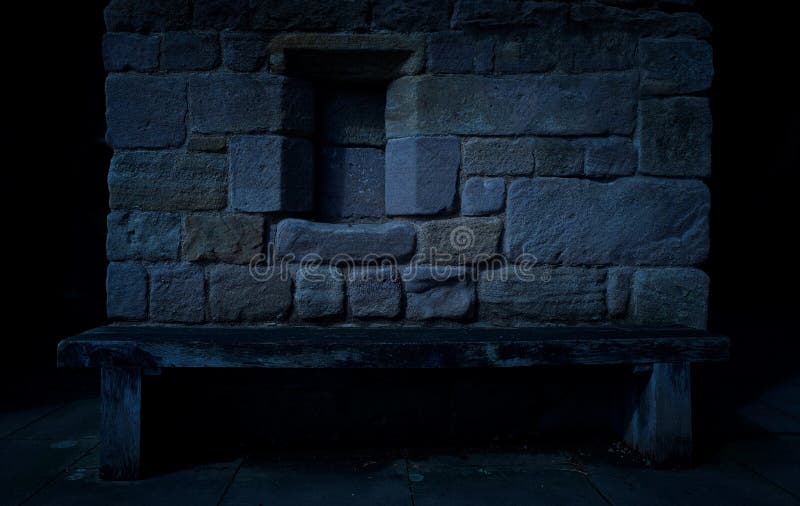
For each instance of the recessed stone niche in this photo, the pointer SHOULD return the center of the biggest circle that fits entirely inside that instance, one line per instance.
(567, 141)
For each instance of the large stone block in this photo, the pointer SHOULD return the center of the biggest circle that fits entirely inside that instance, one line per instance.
(675, 66)
(535, 49)
(460, 240)
(499, 157)
(675, 137)
(319, 292)
(271, 173)
(569, 294)
(470, 13)
(596, 49)
(189, 51)
(421, 175)
(670, 296)
(630, 221)
(309, 15)
(143, 236)
(130, 51)
(587, 104)
(305, 239)
(145, 111)
(177, 293)
(483, 195)
(219, 14)
(438, 292)
(643, 22)
(354, 118)
(228, 238)
(147, 15)
(244, 51)
(611, 156)
(351, 183)
(238, 294)
(126, 291)
(374, 292)
(227, 102)
(410, 15)
(559, 157)
(167, 180)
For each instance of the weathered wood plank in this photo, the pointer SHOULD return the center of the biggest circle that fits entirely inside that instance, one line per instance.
(403, 347)
(121, 420)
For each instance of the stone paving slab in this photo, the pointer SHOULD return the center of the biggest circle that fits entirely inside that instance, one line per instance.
(79, 419)
(775, 459)
(13, 421)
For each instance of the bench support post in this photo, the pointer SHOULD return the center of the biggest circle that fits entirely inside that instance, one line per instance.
(659, 423)
(120, 429)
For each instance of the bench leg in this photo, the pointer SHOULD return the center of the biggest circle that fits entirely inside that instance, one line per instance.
(659, 424)
(120, 428)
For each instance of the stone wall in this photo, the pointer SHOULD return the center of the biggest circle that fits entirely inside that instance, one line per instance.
(464, 161)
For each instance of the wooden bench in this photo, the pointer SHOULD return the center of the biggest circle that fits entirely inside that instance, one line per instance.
(659, 423)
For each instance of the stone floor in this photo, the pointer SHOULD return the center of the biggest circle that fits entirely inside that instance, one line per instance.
(48, 455)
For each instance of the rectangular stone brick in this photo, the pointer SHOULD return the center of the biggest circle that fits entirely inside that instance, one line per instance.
(421, 175)
(239, 293)
(130, 51)
(670, 296)
(459, 240)
(596, 49)
(438, 292)
(559, 157)
(126, 291)
(167, 180)
(221, 15)
(189, 51)
(177, 293)
(498, 157)
(309, 15)
(675, 66)
(319, 292)
(374, 292)
(410, 15)
(471, 13)
(483, 195)
(460, 53)
(612, 156)
(351, 183)
(535, 49)
(244, 51)
(228, 238)
(143, 236)
(147, 15)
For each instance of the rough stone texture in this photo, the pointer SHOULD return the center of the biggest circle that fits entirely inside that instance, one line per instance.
(588, 104)
(460, 239)
(143, 236)
(410, 15)
(147, 15)
(236, 294)
(227, 102)
(271, 173)
(126, 291)
(309, 15)
(596, 50)
(351, 183)
(645, 23)
(438, 292)
(244, 51)
(612, 156)
(319, 292)
(374, 292)
(167, 181)
(675, 137)
(675, 66)
(536, 49)
(421, 175)
(145, 111)
(568, 294)
(177, 293)
(219, 14)
(207, 143)
(630, 221)
(358, 241)
(189, 51)
(228, 238)
(472, 13)
(451, 53)
(499, 157)
(677, 296)
(130, 51)
(618, 291)
(483, 195)
(559, 157)
(354, 117)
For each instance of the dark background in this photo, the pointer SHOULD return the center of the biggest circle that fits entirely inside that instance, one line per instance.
(55, 199)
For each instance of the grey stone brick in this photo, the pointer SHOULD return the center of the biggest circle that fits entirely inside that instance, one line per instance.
(219, 14)
(271, 173)
(643, 22)
(670, 296)
(147, 15)
(244, 51)
(438, 292)
(570, 294)
(410, 15)
(457, 53)
(130, 51)
(499, 157)
(167, 180)
(354, 117)
(228, 102)
(675, 66)
(483, 195)
(630, 221)
(460, 239)
(319, 292)
(190, 51)
(207, 143)
(618, 291)
(597, 49)
(351, 183)
(359, 241)
(228, 238)
(236, 294)
(374, 292)
(126, 291)
(585, 104)
(143, 236)
(675, 137)
(469, 13)
(421, 175)
(535, 49)
(177, 293)
(145, 111)
(612, 156)
(559, 157)
(309, 15)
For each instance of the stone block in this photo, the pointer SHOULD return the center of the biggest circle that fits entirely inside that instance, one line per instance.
(143, 236)
(145, 111)
(596, 49)
(219, 14)
(238, 294)
(410, 15)
(271, 173)
(167, 181)
(319, 292)
(535, 49)
(227, 238)
(309, 15)
(438, 292)
(130, 51)
(618, 291)
(460, 53)
(351, 183)
(374, 292)
(459, 240)
(643, 22)
(177, 293)
(189, 51)
(126, 291)
(670, 296)
(675, 66)
(354, 118)
(630, 221)
(147, 15)
(244, 51)
(611, 156)
(421, 175)
(498, 157)
(484, 13)
(207, 143)
(559, 157)
(483, 195)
